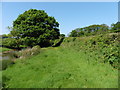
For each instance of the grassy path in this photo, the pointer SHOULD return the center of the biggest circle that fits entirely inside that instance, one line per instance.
(61, 68)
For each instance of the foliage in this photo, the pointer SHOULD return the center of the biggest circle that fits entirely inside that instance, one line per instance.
(2, 49)
(116, 27)
(73, 33)
(62, 35)
(90, 30)
(80, 63)
(61, 67)
(4, 36)
(58, 42)
(11, 43)
(95, 29)
(104, 46)
(35, 27)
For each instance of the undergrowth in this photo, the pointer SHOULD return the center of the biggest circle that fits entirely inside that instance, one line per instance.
(105, 47)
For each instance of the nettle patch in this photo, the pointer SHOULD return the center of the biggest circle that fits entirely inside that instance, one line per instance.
(105, 47)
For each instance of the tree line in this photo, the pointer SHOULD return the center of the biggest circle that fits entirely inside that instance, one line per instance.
(95, 29)
(35, 27)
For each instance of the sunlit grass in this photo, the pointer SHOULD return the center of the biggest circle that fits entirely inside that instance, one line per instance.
(61, 68)
(2, 49)
(77, 63)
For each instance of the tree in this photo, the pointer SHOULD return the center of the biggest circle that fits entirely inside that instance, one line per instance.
(116, 27)
(90, 30)
(35, 27)
(73, 33)
(62, 35)
(81, 33)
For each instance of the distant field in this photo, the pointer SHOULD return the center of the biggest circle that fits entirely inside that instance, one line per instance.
(2, 49)
(75, 64)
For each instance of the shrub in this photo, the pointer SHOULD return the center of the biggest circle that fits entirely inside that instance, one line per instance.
(62, 35)
(24, 53)
(103, 46)
(11, 43)
(73, 39)
(35, 50)
(29, 51)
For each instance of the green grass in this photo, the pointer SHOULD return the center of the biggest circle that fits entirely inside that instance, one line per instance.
(0, 41)
(61, 68)
(2, 49)
(77, 63)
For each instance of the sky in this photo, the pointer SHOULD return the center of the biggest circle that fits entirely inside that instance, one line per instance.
(70, 15)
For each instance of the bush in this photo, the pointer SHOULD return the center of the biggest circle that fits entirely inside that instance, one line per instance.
(11, 43)
(103, 46)
(73, 39)
(35, 50)
(29, 51)
(62, 35)
(108, 46)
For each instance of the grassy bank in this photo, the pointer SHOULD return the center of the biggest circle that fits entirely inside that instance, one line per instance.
(77, 63)
(2, 49)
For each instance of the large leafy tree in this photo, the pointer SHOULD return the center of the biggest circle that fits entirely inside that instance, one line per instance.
(35, 27)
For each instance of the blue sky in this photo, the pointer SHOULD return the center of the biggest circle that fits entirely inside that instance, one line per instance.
(69, 15)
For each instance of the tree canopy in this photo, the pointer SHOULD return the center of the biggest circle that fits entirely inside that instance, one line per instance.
(89, 30)
(116, 27)
(35, 27)
(95, 29)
